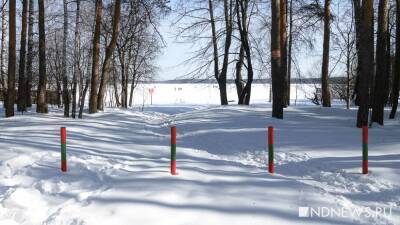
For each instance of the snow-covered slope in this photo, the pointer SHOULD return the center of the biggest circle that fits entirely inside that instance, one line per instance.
(119, 168)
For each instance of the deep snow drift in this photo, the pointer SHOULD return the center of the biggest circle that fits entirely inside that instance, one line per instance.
(119, 168)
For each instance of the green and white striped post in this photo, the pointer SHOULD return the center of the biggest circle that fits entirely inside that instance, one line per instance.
(63, 149)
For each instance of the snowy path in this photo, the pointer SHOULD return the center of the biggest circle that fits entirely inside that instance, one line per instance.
(119, 168)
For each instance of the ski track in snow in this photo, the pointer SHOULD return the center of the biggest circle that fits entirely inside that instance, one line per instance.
(119, 153)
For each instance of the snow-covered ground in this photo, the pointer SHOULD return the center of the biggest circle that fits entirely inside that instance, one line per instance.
(119, 168)
(205, 94)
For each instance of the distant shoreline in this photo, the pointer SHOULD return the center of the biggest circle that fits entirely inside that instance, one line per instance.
(232, 81)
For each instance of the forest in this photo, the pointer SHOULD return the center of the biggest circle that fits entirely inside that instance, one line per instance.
(199, 112)
(74, 52)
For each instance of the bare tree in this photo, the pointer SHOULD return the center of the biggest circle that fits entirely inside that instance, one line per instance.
(77, 58)
(210, 25)
(284, 52)
(83, 89)
(221, 79)
(326, 93)
(11, 60)
(96, 58)
(41, 95)
(367, 61)
(277, 80)
(396, 76)
(357, 7)
(22, 57)
(290, 51)
(382, 64)
(108, 55)
(66, 97)
(2, 51)
(345, 42)
(30, 55)
(243, 26)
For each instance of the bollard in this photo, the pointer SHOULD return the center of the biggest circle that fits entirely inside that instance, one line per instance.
(173, 151)
(63, 149)
(271, 167)
(365, 149)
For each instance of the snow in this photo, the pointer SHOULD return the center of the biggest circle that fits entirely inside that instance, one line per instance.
(118, 167)
(206, 94)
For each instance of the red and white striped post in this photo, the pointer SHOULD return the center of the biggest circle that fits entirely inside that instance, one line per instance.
(173, 151)
(271, 167)
(365, 150)
(63, 149)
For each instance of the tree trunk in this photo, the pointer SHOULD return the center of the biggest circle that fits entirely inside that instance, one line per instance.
(242, 7)
(2, 51)
(83, 89)
(367, 62)
(127, 78)
(77, 69)
(66, 99)
(358, 17)
(41, 95)
(82, 101)
(108, 56)
(132, 88)
(289, 62)
(348, 72)
(221, 82)
(11, 60)
(59, 91)
(29, 62)
(326, 93)
(239, 79)
(96, 58)
(22, 57)
(396, 74)
(284, 53)
(121, 57)
(277, 80)
(382, 65)
(115, 84)
(228, 11)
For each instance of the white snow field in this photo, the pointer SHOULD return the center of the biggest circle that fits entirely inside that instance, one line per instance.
(206, 94)
(118, 168)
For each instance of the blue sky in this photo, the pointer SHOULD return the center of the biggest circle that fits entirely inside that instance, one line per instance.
(171, 60)
(172, 57)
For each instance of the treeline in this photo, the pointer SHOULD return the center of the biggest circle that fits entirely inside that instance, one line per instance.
(101, 48)
(71, 48)
(242, 37)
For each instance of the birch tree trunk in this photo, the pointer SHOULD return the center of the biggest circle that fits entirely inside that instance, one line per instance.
(77, 57)
(2, 52)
